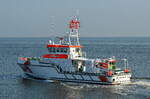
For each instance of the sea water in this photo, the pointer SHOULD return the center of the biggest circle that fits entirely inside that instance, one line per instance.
(14, 86)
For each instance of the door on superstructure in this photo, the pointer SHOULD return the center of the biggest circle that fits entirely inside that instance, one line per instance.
(79, 65)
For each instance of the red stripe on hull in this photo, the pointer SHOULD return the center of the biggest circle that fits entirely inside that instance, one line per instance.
(58, 56)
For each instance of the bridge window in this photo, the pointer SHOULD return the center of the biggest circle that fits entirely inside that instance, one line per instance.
(65, 50)
(50, 49)
(61, 50)
(58, 49)
(54, 50)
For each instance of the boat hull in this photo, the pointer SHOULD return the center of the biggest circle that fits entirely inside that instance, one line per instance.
(47, 72)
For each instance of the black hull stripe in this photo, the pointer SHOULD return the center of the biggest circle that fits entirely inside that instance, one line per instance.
(74, 80)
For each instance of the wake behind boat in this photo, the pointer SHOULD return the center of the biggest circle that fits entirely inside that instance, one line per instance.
(66, 62)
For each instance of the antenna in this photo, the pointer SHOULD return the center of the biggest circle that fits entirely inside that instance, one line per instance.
(52, 24)
(52, 27)
(77, 12)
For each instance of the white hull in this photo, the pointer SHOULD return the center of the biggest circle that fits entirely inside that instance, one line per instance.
(51, 73)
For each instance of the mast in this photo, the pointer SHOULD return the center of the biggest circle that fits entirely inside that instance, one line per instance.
(74, 25)
(52, 29)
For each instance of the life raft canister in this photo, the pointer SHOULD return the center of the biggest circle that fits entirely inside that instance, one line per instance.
(109, 73)
(126, 70)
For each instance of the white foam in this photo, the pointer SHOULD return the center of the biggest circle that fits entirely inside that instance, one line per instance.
(73, 86)
(142, 82)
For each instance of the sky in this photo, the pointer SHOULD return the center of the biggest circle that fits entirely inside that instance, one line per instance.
(99, 18)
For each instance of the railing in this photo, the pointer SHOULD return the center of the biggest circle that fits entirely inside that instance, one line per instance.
(83, 54)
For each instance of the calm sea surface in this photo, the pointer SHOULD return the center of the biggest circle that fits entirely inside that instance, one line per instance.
(13, 86)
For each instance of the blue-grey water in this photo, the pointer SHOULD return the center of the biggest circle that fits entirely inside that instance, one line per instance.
(13, 86)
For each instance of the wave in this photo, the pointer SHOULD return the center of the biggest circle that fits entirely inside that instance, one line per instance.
(142, 83)
(144, 78)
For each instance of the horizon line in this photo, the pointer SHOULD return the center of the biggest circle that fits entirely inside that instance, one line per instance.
(86, 37)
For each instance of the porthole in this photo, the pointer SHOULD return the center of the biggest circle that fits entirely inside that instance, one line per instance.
(113, 80)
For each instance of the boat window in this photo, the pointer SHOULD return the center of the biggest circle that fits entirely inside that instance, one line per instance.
(65, 50)
(57, 49)
(112, 63)
(50, 49)
(54, 50)
(62, 49)
(77, 49)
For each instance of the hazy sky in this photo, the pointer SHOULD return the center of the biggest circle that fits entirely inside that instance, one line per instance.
(99, 18)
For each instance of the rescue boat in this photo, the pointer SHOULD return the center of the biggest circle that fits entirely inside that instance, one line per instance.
(66, 62)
